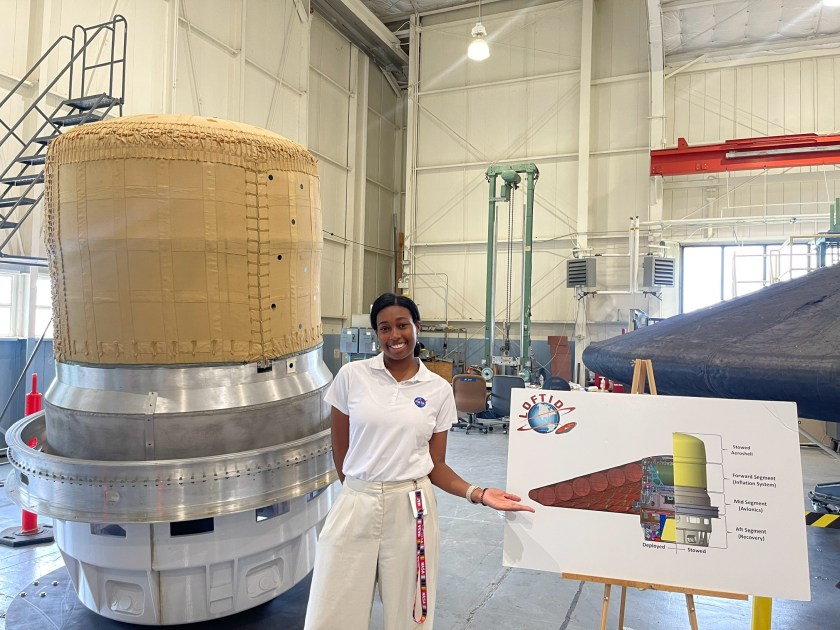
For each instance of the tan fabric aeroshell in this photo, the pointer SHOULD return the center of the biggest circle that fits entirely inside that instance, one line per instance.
(182, 239)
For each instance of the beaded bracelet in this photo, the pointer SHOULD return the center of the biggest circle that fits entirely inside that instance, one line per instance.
(481, 498)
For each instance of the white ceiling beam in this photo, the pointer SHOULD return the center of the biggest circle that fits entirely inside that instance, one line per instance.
(678, 5)
(584, 140)
(584, 131)
(656, 131)
(784, 46)
(726, 63)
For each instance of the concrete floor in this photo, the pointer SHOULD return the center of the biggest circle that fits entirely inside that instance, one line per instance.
(475, 591)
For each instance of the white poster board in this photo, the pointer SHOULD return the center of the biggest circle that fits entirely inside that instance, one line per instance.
(696, 493)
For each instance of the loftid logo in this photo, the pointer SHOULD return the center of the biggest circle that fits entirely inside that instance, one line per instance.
(542, 412)
(420, 402)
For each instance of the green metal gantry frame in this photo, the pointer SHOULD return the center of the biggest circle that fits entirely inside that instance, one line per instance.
(511, 178)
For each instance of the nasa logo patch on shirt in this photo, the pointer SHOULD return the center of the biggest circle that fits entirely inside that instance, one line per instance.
(420, 402)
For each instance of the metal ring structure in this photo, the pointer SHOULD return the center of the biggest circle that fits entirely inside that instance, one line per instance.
(160, 490)
(126, 413)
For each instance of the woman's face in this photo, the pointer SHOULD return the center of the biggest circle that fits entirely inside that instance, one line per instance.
(397, 332)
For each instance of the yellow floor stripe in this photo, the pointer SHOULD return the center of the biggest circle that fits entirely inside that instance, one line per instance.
(816, 519)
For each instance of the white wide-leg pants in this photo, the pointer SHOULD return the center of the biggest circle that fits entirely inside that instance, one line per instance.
(369, 538)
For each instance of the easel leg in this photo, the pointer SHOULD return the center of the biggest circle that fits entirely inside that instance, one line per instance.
(762, 613)
(692, 613)
(621, 608)
(643, 376)
(639, 377)
(605, 607)
(651, 380)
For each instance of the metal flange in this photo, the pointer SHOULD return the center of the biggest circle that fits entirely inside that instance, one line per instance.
(160, 490)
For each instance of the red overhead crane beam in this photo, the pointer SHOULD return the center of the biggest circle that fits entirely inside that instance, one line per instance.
(807, 149)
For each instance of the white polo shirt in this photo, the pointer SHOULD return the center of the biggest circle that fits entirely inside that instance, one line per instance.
(391, 423)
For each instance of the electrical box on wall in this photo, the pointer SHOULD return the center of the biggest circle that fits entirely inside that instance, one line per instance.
(580, 272)
(367, 341)
(349, 340)
(658, 272)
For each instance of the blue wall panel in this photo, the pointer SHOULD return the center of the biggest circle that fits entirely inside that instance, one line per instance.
(13, 356)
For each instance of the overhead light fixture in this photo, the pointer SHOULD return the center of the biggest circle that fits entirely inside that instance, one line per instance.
(478, 49)
(831, 3)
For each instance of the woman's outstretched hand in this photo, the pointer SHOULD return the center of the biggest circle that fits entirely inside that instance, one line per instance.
(498, 499)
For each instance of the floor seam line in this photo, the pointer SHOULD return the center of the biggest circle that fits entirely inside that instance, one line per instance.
(572, 607)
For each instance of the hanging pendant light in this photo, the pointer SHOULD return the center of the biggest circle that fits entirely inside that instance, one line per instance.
(478, 49)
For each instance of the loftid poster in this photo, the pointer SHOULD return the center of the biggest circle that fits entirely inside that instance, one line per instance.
(690, 492)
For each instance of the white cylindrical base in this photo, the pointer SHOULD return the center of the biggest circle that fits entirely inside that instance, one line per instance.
(190, 571)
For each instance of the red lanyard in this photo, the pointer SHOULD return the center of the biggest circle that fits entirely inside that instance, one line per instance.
(421, 563)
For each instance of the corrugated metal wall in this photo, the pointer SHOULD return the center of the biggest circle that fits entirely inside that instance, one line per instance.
(752, 98)
(523, 105)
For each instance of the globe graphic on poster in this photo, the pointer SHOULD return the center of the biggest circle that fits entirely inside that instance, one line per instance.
(543, 417)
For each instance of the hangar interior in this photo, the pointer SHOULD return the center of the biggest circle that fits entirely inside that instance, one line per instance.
(621, 227)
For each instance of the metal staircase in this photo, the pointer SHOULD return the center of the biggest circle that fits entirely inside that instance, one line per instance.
(94, 90)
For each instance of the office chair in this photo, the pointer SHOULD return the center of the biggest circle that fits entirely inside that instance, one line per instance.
(470, 398)
(557, 383)
(499, 412)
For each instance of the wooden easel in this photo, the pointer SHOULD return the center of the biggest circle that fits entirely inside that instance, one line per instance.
(642, 374)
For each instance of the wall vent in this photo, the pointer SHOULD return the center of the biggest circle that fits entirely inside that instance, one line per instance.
(658, 272)
(580, 272)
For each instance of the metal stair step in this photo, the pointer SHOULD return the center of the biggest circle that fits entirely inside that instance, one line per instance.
(76, 119)
(32, 159)
(8, 202)
(23, 180)
(8, 224)
(45, 139)
(90, 102)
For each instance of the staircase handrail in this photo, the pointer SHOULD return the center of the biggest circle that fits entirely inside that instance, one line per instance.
(88, 108)
(47, 123)
(19, 84)
(110, 26)
(35, 201)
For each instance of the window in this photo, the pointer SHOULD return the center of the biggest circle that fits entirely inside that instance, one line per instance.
(7, 291)
(43, 307)
(791, 262)
(743, 270)
(713, 273)
(701, 277)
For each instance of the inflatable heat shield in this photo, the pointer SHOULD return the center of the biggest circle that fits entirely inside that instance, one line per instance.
(780, 343)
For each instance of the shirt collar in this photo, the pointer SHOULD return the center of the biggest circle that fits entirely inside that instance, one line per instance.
(423, 374)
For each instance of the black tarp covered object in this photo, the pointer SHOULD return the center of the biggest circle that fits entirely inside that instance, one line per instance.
(779, 343)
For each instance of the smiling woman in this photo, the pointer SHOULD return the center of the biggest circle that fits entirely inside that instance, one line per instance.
(396, 320)
(390, 421)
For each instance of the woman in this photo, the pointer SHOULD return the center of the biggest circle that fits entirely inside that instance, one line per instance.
(390, 420)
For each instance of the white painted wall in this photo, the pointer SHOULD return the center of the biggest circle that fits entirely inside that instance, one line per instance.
(355, 130)
(332, 87)
(522, 105)
(752, 98)
(383, 184)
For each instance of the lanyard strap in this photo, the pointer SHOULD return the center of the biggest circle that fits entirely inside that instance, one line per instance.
(421, 563)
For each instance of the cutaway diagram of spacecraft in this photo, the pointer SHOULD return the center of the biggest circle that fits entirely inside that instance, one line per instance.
(668, 492)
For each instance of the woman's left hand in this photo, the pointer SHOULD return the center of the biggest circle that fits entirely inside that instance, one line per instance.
(498, 499)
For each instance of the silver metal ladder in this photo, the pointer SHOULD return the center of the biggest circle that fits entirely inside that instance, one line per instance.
(48, 113)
